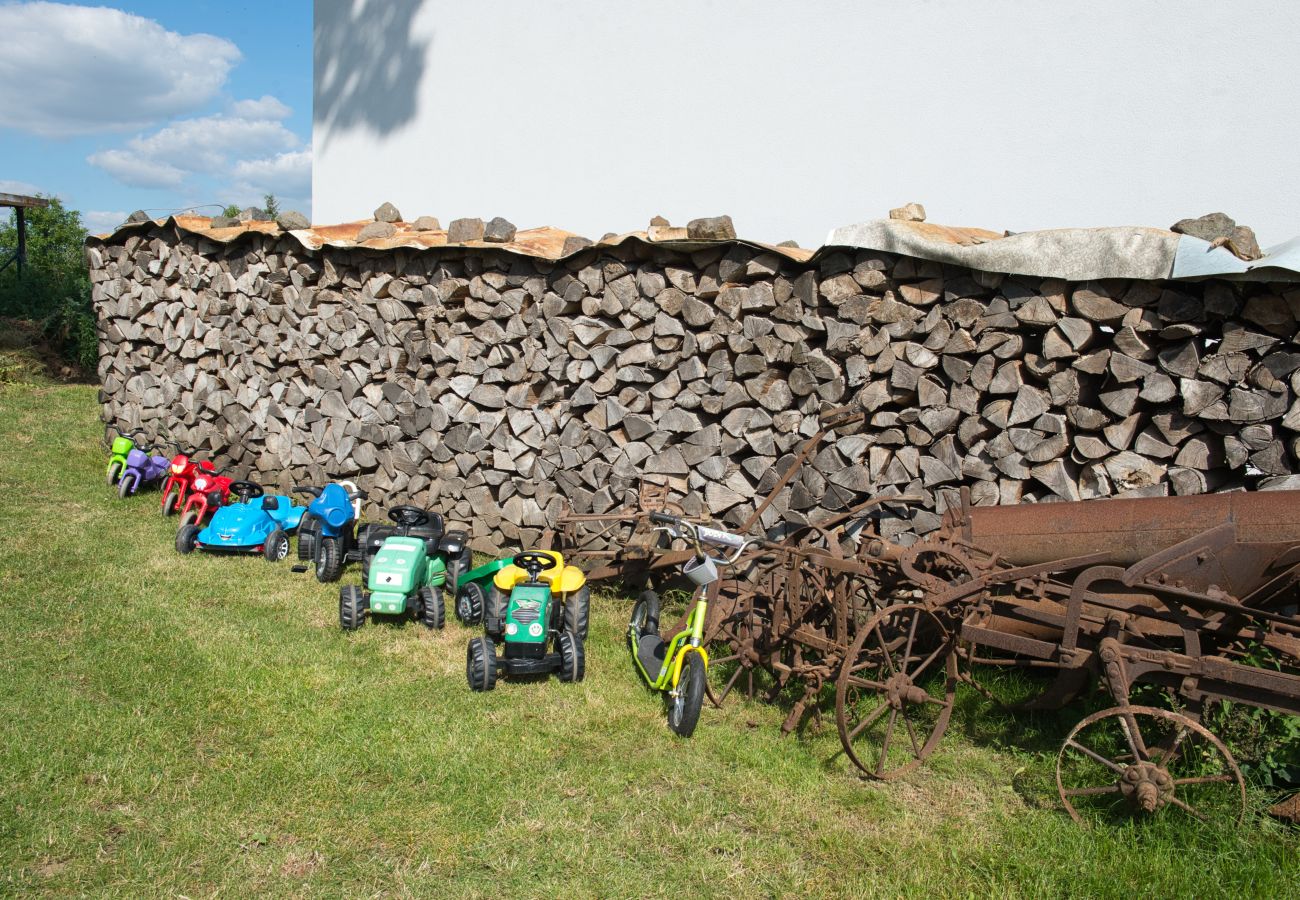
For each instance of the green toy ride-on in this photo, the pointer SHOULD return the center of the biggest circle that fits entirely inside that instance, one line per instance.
(406, 575)
(533, 605)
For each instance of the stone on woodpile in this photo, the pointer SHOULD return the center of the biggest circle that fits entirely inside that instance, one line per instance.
(911, 212)
(376, 230)
(462, 230)
(499, 231)
(138, 216)
(426, 223)
(717, 228)
(387, 212)
(291, 220)
(1222, 231)
(253, 214)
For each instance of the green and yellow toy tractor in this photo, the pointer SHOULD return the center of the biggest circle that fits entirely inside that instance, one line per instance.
(536, 606)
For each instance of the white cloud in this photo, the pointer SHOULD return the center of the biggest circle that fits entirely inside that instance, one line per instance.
(206, 145)
(25, 188)
(287, 175)
(267, 107)
(102, 222)
(137, 171)
(69, 70)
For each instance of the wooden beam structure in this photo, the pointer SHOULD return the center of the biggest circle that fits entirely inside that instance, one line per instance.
(21, 203)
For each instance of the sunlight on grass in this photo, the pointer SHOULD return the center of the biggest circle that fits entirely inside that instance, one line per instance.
(200, 726)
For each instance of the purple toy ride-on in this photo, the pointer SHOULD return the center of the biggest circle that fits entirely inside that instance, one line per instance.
(142, 468)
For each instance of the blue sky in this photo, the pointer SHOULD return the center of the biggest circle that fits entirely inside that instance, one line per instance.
(156, 105)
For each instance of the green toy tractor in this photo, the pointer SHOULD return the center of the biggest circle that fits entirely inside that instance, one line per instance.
(406, 575)
(537, 607)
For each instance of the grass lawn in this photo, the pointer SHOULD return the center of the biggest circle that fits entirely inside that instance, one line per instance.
(200, 726)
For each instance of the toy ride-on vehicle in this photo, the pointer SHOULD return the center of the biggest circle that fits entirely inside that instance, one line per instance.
(180, 480)
(209, 491)
(121, 446)
(451, 546)
(533, 603)
(142, 467)
(327, 534)
(256, 523)
(680, 667)
(405, 573)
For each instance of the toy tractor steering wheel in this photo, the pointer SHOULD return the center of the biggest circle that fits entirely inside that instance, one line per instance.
(408, 516)
(534, 562)
(246, 490)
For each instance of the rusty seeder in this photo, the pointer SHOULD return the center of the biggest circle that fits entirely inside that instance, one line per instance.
(1183, 600)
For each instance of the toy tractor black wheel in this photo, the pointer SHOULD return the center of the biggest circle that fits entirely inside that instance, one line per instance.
(457, 566)
(353, 608)
(186, 536)
(329, 561)
(170, 503)
(276, 547)
(573, 657)
(494, 614)
(125, 485)
(577, 612)
(433, 612)
(684, 709)
(307, 537)
(114, 469)
(469, 603)
(481, 664)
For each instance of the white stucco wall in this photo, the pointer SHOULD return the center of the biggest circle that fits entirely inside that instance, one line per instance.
(797, 117)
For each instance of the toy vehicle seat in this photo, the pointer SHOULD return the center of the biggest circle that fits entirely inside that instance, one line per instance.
(562, 579)
(430, 532)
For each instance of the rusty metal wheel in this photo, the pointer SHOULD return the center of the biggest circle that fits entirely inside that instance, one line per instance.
(1138, 760)
(893, 699)
(737, 641)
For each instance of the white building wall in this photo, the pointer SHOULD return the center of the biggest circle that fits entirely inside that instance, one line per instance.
(795, 117)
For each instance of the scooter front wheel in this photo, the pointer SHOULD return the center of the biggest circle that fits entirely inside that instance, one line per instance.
(684, 709)
(114, 469)
(126, 486)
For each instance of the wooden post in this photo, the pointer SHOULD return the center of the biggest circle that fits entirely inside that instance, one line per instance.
(22, 239)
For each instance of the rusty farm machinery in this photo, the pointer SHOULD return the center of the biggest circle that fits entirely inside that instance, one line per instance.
(1178, 601)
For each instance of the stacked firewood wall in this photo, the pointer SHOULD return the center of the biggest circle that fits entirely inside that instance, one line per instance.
(497, 387)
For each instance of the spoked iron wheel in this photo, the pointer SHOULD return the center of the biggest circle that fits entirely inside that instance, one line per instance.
(1139, 760)
(894, 694)
(737, 643)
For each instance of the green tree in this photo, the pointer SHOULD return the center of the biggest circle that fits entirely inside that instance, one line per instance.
(271, 205)
(231, 211)
(54, 290)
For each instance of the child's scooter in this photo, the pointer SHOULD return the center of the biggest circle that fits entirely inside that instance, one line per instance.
(680, 667)
(122, 445)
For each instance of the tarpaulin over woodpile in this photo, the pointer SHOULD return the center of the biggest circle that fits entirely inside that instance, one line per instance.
(1075, 254)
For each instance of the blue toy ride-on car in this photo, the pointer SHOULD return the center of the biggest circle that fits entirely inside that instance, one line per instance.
(256, 522)
(328, 532)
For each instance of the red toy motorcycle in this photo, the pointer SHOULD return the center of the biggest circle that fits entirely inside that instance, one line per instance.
(180, 480)
(208, 490)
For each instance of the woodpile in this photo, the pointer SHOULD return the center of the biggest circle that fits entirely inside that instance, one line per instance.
(497, 386)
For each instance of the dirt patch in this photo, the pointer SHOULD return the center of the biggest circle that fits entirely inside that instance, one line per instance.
(27, 355)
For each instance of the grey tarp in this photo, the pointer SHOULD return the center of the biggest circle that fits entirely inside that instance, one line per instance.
(1075, 254)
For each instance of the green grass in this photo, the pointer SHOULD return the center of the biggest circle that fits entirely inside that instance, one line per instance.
(199, 726)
